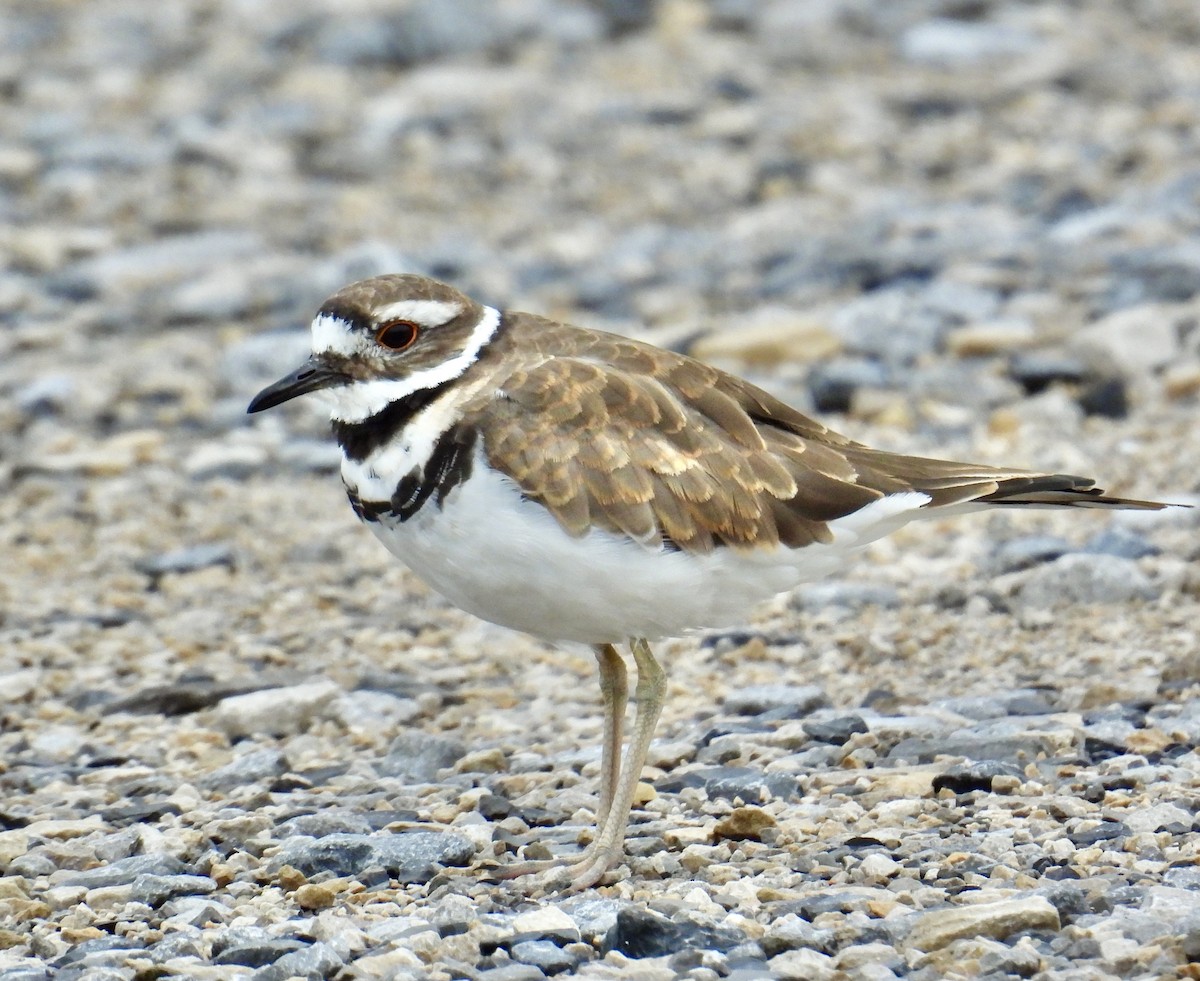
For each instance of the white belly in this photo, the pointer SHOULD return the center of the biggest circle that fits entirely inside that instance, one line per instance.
(506, 560)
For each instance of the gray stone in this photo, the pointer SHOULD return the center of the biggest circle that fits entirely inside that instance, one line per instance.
(732, 782)
(1014, 701)
(126, 870)
(254, 361)
(165, 260)
(963, 778)
(890, 324)
(1121, 542)
(326, 822)
(310, 455)
(644, 933)
(252, 947)
(1156, 817)
(419, 756)
(1134, 341)
(596, 920)
(1017, 748)
(755, 699)
(1037, 370)
(837, 730)
(186, 560)
(274, 711)
(421, 31)
(1024, 553)
(251, 768)
(1183, 877)
(154, 890)
(790, 932)
(410, 857)
(942, 41)
(174, 946)
(1080, 578)
(832, 383)
(45, 395)
(317, 961)
(545, 955)
(513, 972)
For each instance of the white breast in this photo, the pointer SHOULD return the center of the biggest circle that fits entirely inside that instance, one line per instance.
(505, 559)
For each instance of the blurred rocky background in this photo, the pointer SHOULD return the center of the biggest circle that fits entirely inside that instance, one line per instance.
(964, 228)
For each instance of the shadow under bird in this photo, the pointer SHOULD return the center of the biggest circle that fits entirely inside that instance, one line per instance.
(581, 486)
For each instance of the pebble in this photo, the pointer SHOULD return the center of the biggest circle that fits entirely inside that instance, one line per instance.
(938, 928)
(410, 857)
(419, 756)
(947, 42)
(124, 871)
(317, 960)
(755, 699)
(1024, 553)
(1037, 370)
(1137, 340)
(643, 933)
(1093, 578)
(1121, 542)
(154, 890)
(892, 325)
(248, 769)
(802, 965)
(274, 711)
(548, 923)
(745, 823)
(186, 560)
(852, 595)
(832, 384)
(545, 955)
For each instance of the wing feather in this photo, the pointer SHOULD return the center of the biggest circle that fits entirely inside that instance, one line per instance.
(609, 433)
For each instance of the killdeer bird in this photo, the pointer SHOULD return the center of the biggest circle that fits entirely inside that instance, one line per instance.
(582, 486)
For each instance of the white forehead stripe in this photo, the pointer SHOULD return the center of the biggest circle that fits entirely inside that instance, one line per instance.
(361, 400)
(332, 335)
(430, 313)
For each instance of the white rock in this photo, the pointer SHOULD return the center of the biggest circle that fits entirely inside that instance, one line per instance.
(548, 921)
(275, 711)
(876, 866)
(1085, 578)
(1156, 817)
(1135, 341)
(373, 710)
(802, 965)
(938, 928)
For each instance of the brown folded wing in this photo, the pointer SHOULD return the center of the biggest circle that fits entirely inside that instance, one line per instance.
(613, 434)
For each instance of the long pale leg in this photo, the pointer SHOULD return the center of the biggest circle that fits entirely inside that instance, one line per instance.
(614, 690)
(610, 836)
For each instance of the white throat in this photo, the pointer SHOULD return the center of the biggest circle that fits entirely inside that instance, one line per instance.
(361, 400)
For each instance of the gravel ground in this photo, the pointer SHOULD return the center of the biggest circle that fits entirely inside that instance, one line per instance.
(239, 742)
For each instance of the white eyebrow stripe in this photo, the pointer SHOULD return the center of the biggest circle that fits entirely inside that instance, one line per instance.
(361, 400)
(332, 335)
(430, 313)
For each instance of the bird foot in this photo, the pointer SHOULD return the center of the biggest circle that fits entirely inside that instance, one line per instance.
(558, 876)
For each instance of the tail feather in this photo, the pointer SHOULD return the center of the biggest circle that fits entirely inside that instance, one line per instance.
(1061, 490)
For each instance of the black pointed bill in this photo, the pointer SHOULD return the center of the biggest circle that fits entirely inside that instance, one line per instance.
(309, 377)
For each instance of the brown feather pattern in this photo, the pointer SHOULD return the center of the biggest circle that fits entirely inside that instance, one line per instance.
(606, 432)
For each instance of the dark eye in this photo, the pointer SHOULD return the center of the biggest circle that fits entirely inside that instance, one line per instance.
(397, 335)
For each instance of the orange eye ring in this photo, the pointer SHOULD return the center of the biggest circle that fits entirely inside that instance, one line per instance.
(397, 335)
